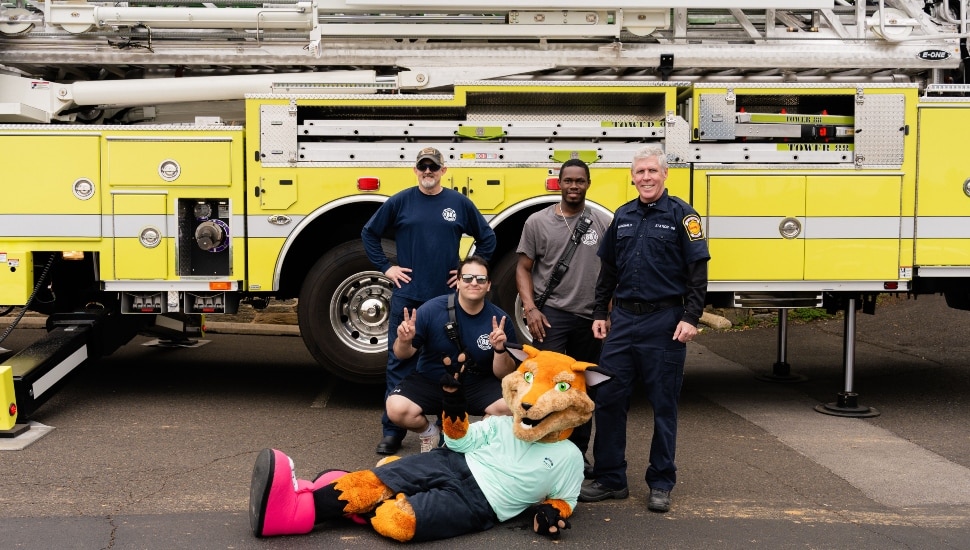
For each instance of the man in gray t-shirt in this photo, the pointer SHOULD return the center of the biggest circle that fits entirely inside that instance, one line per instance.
(564, 323)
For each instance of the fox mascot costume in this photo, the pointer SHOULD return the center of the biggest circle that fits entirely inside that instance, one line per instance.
(488, 472)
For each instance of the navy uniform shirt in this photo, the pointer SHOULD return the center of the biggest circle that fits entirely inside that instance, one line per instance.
(432, 342)
(647, 252)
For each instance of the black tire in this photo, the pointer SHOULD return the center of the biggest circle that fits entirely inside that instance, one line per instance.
(343, 313)
(506, 296)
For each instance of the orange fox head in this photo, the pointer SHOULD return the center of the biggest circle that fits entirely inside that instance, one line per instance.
(547, 394)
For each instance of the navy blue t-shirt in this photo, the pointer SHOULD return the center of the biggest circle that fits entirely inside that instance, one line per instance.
(427, 231)
(433, 344)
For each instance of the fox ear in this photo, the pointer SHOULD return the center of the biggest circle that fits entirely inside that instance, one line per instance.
(596, 376)
(521, 353)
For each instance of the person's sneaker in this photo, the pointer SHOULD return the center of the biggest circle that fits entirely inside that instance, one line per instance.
(595, 492)
(659, 500)
(432, 441)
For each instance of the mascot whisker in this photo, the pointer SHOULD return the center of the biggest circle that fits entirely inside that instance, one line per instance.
(488, 471)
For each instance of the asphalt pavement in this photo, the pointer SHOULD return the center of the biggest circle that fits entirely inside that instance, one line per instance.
(152, 448)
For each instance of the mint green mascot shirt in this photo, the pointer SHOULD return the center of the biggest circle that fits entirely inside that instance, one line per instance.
(515, 474)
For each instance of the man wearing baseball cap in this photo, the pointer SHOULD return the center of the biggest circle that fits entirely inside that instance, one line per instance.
(427, 222)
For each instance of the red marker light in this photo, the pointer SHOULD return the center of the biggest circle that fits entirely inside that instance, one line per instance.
(552, 184)
(368, 184)
(893, 285)
(13, 409)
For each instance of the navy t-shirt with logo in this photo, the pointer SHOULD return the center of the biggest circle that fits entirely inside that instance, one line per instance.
(427, 231)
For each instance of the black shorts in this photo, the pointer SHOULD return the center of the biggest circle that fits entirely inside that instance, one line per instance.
(481, 390)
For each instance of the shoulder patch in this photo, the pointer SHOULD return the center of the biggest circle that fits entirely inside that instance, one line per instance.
(692, 223)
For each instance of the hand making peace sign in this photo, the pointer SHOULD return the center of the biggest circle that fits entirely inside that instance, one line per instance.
(405, 331)
(497, 337)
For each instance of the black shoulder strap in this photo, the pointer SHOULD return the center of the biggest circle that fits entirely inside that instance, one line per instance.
(452, 327)
(563, 264)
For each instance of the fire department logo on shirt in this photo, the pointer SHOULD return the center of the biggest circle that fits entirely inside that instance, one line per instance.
(483, 343)
(692, 224)
(591, 237)
(449, 215)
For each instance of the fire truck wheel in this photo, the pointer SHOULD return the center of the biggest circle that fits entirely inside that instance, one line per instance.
(343, 313)
(505, 295)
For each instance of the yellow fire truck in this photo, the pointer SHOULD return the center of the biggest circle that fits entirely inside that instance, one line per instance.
(165, 159)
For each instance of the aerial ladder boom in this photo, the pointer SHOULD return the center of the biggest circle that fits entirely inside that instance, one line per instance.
(426, 45)
(704, 37)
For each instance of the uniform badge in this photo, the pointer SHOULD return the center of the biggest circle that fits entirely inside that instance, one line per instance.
(692, 224)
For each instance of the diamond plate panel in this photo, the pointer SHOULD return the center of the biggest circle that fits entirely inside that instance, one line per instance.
(677, 143)
(277, 134)
(880, 130)
(716, 117)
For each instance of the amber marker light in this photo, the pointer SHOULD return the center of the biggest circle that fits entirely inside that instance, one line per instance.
(220, 285)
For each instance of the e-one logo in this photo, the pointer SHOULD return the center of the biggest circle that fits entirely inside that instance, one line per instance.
(933, 55)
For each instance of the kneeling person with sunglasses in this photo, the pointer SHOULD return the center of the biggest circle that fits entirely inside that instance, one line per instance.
(475, 348)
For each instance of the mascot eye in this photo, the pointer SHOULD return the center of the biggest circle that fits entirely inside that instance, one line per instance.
(563, 386)
(529, 377)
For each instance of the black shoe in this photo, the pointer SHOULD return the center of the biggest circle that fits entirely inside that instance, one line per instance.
(594, 492)
(588, 471)
(659, 500)
(389, 445)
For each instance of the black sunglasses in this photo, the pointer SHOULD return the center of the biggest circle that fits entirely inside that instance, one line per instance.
(467, 279)
(425, 166)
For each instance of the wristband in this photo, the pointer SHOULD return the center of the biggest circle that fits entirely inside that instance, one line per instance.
(503, 350)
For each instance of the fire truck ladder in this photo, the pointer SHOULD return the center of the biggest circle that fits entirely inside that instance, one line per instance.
(686, 39)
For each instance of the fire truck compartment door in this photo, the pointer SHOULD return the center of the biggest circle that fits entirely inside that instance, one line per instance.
(780, 227)
(141, 243)
(155, 161)
(279, 191)
(745, 212)
(853, 227)
(943, 194)
(486, 188)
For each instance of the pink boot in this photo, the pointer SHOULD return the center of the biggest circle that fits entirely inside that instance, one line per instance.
(279, 504)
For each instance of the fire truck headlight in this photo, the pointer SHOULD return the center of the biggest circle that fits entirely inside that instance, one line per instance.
(150, 237)
(83, 189)
(790, 228)
(966, 187)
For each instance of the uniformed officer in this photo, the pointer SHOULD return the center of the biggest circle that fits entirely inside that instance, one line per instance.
(654, 267)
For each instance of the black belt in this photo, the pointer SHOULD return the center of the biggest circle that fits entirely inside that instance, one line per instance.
(642, 308)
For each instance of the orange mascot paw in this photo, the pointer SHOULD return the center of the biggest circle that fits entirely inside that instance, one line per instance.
(362, 491)
(395, 519)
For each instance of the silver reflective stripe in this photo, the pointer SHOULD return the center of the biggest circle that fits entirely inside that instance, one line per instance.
(816, 227)
(942, 227)
(69, 226)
